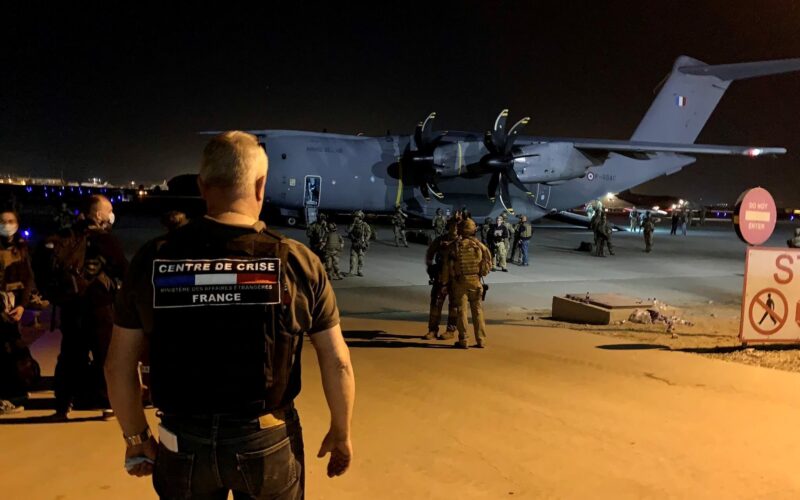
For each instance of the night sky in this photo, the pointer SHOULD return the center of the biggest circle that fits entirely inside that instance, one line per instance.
(122, 96)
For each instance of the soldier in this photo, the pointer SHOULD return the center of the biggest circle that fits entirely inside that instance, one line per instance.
(649, 227)
(497, 239)
(316, 233)
(439, 224)
(515, 237)
(485, 228)
(523, 233)
(331, 250)
(434, 259)
(466, 262)
(359, 234)
(399, 223)
(634, 219)
(795, 242)
(602, 234)
(510, 228)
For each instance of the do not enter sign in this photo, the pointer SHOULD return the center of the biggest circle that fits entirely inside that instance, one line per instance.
(771, 300)
(755, 216)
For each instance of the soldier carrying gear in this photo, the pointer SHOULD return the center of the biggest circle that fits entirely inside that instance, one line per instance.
(602, 234)
(466, 262)
(359, 234)
(316, 233)
(399, 223)
(522, 235)
(439, 224)
(333, 246)
(649, 227)
(498, 235)
(434, 260)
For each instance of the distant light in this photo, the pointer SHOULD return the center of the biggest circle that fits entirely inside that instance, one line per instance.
(674, 206)
(26, 233)
(610, 195)
(752, 152)
(656, 207)
(682, 202)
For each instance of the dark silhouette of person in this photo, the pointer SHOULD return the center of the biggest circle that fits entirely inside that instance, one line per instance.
(770, 307)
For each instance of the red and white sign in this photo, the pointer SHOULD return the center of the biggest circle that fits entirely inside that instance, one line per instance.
(755, 216)
(771, 298)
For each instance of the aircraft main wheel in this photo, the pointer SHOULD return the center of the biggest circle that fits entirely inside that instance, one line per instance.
(291, 221)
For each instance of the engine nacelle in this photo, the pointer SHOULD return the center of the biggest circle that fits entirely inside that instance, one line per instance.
(451, 159)
(550, 162)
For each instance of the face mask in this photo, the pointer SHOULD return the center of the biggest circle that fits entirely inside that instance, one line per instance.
(111, 219)
(8, 230)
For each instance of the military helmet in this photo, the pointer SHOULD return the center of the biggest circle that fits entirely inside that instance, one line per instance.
(322, 216)
(332, 227)
(488, 221)
(467, 227)
(439, 211)
(359, 214)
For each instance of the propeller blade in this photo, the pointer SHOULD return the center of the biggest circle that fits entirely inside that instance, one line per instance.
(423, 189)
(505, 196)
(513, 133)
(499, 130)
(492, 188)
(514, 178)
(417, 137)
(434, 189)
(427, 129)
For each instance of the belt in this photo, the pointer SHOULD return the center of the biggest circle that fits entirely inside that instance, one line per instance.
(265, 420)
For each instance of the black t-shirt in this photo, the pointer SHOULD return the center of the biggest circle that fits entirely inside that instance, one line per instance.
(313, 302)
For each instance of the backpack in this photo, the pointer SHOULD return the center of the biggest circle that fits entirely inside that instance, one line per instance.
(59, 266)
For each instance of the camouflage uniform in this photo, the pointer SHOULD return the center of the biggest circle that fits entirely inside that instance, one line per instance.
(649, 227)
(465, 264)
(434, 259)
(331, 249)
(399, 222)
(316, 233)
(602, 234)
(439, 224)
(359, 234)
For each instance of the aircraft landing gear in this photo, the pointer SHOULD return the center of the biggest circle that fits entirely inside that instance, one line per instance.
(291, 221)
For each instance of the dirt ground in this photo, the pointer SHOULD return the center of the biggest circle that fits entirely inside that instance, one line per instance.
(713, 331)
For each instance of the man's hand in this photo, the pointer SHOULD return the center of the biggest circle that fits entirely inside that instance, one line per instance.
(16, 313)
(147, 449)
(341, 450)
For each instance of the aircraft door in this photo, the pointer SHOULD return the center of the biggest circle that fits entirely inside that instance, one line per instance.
(311, 196)
(542, 195)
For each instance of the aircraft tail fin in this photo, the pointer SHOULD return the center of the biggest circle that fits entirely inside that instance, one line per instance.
(691, 92)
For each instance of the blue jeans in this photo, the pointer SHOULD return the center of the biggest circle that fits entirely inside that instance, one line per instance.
(523, 245)
(220, 453)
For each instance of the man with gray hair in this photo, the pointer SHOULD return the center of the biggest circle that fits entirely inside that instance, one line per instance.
(223, 303)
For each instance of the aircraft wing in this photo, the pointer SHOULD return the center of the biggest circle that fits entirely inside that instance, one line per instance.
(639, 147)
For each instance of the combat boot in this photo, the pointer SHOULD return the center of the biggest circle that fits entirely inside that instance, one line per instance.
(448, 334)
(430, 335)
(461, 344)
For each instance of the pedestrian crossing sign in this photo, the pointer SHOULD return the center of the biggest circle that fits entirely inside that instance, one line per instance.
(771, 296)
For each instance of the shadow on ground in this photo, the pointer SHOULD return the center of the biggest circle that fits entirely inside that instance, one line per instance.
(378, 338)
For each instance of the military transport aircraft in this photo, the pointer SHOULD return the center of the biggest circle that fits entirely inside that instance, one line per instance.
(502, 169)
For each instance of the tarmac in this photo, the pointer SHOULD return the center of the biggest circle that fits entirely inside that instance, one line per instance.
(541, 413)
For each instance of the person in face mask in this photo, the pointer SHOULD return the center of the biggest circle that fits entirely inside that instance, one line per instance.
(95, 264)
(16, 285)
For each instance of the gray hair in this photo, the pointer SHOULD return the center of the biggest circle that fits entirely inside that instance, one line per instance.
(232, 159)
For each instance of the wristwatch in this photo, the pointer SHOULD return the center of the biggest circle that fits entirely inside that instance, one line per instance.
(138, 439)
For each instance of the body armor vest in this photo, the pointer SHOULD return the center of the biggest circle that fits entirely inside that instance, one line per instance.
(222, 357)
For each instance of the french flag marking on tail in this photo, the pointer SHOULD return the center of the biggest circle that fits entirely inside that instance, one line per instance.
(680, 101)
